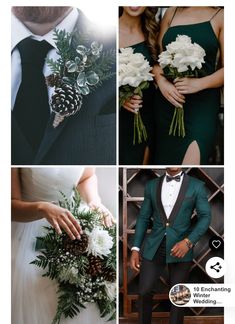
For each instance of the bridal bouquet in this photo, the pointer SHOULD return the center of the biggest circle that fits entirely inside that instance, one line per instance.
(85, 270)
(81, 68)
(134, 77)
(182, 58)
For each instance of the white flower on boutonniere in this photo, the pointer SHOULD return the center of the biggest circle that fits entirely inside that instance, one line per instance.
(100, 242)
(82, 67)
(182, 58)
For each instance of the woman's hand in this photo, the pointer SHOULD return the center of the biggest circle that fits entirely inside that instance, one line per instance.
(170, 92)
(188, 85)
(107, 218)
(133, 104)
(60, 218)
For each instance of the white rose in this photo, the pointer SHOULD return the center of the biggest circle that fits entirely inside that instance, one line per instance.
(99, 242)
(165, 58)
(183, 39)
(133, 68)
(182, 54)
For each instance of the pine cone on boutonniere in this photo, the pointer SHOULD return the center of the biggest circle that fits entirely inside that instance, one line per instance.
(81, 68)
(65, 101)
(53, 80)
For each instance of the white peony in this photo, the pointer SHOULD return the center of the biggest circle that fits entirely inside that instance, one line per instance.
(182, 54)
(99, 242)
(133, 68)
(110, 288)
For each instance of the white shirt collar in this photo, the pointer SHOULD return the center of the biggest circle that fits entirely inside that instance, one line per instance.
(180, 173)
(20, 31)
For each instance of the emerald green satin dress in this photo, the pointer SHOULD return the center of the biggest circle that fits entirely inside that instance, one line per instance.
(200, 109)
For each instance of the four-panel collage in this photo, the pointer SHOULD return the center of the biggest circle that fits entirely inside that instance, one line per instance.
(117, 164)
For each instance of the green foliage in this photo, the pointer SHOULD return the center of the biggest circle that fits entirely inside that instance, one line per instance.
(127, 91)
(67, 44)
(57, 262)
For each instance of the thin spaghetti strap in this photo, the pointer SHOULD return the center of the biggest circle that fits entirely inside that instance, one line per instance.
(173, 16)
(215, 14)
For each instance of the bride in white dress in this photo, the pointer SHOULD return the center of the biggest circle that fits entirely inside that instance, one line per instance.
(34, 193)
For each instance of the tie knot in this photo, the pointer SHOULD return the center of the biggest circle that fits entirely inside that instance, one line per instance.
(176, 178)
(33, 51)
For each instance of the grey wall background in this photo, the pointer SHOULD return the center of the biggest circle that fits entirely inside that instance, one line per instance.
(107, 186)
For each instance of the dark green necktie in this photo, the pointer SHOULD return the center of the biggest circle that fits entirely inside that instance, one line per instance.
(31, 108)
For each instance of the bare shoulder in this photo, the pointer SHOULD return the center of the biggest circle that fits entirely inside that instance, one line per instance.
(168, 15)
(220, 17)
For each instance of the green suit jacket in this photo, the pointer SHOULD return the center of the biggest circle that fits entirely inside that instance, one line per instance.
(192, 195)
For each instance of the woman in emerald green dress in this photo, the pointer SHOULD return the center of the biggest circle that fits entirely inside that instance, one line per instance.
(199, 97)
(137, 29)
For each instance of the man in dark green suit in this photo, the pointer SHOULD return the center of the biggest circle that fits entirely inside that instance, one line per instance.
(169, 201)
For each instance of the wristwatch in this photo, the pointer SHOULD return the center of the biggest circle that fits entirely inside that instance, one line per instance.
(188, 242)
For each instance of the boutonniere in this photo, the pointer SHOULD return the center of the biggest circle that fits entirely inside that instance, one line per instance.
(81, 68)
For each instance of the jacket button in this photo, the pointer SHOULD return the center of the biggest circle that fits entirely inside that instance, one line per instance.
(167, 224)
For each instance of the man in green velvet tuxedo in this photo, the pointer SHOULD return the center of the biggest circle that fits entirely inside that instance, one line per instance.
(169, 201)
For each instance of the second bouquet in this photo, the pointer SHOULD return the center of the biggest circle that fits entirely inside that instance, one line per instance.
(182, 58)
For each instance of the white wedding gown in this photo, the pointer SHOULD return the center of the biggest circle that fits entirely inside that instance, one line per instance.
(34, 298)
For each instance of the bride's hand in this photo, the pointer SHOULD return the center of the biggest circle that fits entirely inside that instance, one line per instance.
(170, 92)
(107, 219)
(60, 218)
(133, 104)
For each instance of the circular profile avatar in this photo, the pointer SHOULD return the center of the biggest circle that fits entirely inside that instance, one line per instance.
(179, 295)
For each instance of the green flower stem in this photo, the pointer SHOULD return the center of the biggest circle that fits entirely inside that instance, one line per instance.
(177, 123)
(172, 121)
(139, 129)
(183, 128)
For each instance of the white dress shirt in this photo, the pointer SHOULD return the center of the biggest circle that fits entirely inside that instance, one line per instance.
(169, 193)
(20, 32)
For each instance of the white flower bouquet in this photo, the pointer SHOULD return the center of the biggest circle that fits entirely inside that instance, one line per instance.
(134, 77)
(85, 270)
(182, 58)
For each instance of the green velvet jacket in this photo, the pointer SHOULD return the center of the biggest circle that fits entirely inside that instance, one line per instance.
(192, 195)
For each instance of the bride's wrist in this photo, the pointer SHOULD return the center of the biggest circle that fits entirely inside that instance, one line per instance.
(95, 203)
(41, 207)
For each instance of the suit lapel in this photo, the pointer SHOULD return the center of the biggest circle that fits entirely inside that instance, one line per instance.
(159, 201)
(50, 135)
(180, 199)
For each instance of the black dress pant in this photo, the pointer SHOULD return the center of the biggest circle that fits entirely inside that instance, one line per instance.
(150, 271)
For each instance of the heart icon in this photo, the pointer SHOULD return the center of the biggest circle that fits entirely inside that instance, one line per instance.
(216, 243)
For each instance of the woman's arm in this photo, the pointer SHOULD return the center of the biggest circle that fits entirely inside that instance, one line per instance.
(167, 89)
(88, 189)
(24, 211)
(214, 80)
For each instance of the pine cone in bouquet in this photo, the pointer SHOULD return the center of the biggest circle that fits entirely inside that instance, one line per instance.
(65, 102)
(109, 274)
(75, 247)
(95, 266)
